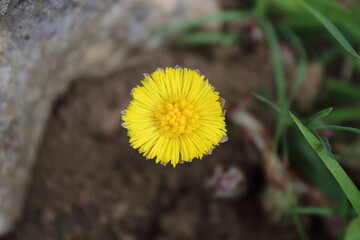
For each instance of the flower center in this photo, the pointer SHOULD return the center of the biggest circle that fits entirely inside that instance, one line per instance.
(176, 117)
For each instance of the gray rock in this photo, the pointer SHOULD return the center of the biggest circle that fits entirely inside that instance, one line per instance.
(45, 45)
(3, 6)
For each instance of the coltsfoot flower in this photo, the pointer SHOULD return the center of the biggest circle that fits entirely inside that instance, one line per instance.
(175, 116)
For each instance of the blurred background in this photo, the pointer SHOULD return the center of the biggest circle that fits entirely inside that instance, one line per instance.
(67, 68)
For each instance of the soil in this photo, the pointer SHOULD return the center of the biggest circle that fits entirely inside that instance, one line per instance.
(88, 183)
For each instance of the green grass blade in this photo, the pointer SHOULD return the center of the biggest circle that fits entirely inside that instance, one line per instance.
(221, 17)
(302, 59)
(320, 114)
(281, 126)
(357, 66)
(324, 211)
(351, 28)
(210, 38)
(344, 208)
(299, 76)
(329, 55)
(337, 171)
(331, 28)
(325, 143)
(260, 8)
(283, 122)
(299, 227)
(353, 230)
(334, 127)
(306, 161)
(340, 87)
(344, 114)
(272, 105)
(285, 147)
(279, 78)
(276, 59)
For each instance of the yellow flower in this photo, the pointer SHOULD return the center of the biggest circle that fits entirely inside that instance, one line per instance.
(175, 116)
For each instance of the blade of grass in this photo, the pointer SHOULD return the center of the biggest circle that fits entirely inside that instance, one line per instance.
(320, 114)
(260, 8)
(346, 18)
(283, 121)
(306, 160)
(331, 28)
(224, 39)
(294, 7)
(324, 211)
(302, 62)
(353, 230)
(341, 87)
(337, 171)
(279, 77)
(221, 17)
(357, 66)
(326, 145)
(334, 127)
(352, 30)
(281, 126)
(285, 147)
(299, 227)
(344, 114)
(276, 108)
(329, 55)
(302, 59)
(345, 211)
(299, 76)
(276, 59)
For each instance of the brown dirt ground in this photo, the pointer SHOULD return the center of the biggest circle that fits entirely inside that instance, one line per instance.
(88, 183)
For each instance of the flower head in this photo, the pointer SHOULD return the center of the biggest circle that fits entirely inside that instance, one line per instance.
(175, 116)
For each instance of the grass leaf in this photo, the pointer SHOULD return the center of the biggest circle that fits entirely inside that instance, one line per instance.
(353, 230)
(344, 114)
(301, 68)
(320, 114)
(332, 29)
(313, 210)
(337, 171)
(299, 227)
(302, 59)
(334, 127)
(276, 59)
(224, 16)
(260, 8)
(306, 160)
(279, 78)
(275, 107)
(210, 38)
(340, 87)
(325, 143)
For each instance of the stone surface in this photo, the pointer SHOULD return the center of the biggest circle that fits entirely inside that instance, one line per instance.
(45, 45)
(3, 6)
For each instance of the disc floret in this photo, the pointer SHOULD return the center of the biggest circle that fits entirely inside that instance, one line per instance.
(176, 117)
